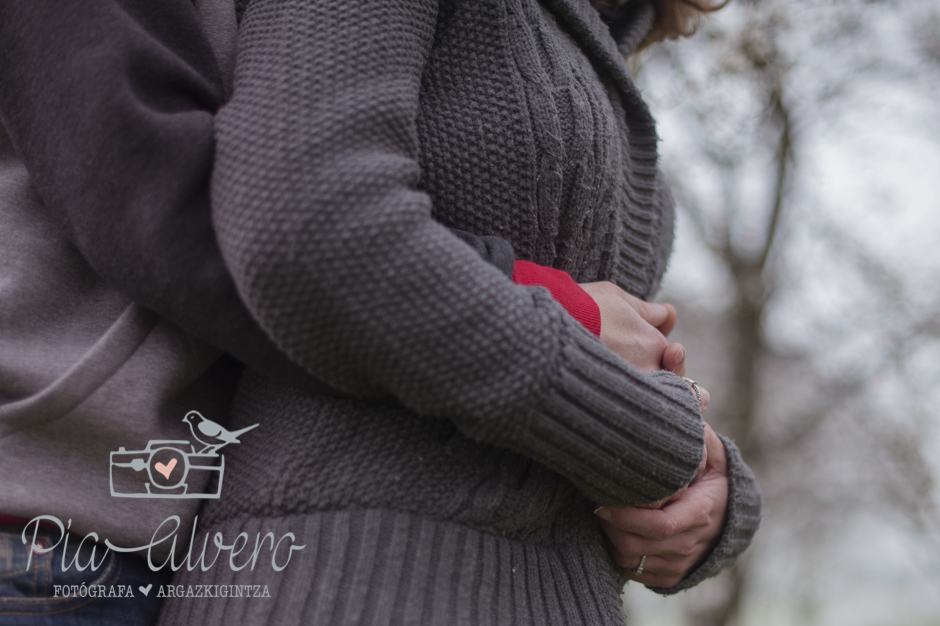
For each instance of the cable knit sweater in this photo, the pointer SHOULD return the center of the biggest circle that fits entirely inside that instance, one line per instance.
(356, 133)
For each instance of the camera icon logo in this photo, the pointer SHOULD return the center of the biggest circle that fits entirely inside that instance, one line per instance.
(175, 468)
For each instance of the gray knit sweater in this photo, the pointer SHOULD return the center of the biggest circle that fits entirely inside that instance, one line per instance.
(356, 133)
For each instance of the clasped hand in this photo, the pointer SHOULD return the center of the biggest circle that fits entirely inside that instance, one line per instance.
(677, 533)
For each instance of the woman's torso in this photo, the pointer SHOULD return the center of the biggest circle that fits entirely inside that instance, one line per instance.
(523, 138)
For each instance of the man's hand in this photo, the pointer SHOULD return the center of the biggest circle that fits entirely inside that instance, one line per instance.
(679, 534)
(636, 330)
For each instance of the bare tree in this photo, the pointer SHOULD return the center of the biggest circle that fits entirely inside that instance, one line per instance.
(834, 416)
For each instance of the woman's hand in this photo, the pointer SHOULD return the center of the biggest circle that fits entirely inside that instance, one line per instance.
(674, 534)
(636, 330)
(680, 533)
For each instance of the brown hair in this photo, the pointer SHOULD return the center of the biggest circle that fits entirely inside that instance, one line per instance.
(674, 18)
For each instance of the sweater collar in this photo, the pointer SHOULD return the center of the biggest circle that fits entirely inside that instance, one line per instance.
(629, 24)
(611, 36)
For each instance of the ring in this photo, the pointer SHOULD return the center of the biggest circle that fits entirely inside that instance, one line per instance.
(694, 385)
(639, 568)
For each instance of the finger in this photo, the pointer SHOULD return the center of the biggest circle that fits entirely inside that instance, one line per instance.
(681, 547)
(652, 313)
(670, 322)
(674, 359)
(679, 516)
(657, 572)
(626, 546)
(666, 562)
(627, 565)
(701, 395)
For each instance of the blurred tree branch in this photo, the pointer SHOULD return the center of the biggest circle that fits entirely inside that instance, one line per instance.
(750, 90)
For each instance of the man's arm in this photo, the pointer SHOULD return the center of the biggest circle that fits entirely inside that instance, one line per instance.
(110, 105)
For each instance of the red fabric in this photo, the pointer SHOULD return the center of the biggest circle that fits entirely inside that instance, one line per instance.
(568, 293)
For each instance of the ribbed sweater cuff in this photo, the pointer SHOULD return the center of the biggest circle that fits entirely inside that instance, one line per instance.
(625, 437)
(743, 519)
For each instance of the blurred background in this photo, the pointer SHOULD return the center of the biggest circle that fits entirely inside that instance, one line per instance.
(802, 142)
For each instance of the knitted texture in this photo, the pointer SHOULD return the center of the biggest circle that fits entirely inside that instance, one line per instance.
(336, 253)
(356, 133)
(433, 572)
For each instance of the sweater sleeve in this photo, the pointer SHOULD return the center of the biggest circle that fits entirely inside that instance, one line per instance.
(334, 250)
(134, 84)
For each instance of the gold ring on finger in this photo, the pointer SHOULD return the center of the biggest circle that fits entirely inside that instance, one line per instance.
(636, 571)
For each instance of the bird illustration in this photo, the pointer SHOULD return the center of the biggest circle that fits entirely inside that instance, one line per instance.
(210, 434)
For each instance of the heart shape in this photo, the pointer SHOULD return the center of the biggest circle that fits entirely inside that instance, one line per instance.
(166, 470)
(146, 590)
